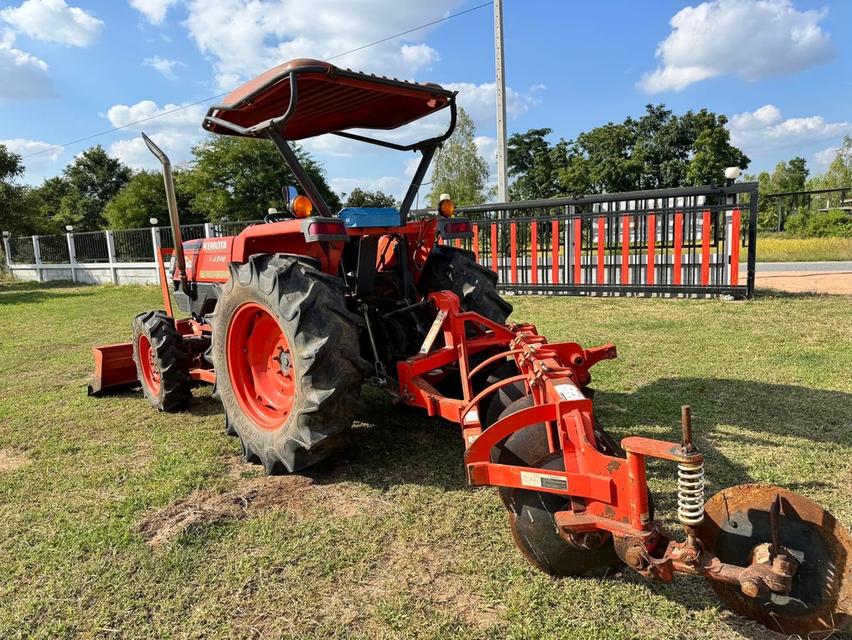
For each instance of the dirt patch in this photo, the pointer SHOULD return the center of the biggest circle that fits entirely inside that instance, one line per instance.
(254, 494)
(834, 282)
(201, 508)
(11, 460)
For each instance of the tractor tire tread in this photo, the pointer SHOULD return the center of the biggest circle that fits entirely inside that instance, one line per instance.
(173, 362)
(456, 270)
(323, 336)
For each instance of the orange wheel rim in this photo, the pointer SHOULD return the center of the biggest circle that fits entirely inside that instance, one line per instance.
(260, 366)
(148, 363)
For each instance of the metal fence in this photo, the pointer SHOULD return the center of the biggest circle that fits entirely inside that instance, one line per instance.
(686, 241)
(675, 242)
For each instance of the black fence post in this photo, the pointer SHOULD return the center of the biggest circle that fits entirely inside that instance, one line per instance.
(752, 241)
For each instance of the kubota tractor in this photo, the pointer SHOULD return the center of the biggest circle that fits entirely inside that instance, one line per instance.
(288, 319)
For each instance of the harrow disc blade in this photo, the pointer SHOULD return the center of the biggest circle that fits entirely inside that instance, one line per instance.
(532, 518)
(738, 518)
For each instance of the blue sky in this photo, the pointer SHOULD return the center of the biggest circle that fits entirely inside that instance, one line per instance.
(780, 69)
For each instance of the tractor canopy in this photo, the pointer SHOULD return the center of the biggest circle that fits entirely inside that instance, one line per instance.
(305, 98)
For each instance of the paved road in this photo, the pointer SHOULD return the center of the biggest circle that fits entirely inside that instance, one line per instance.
(762, 267)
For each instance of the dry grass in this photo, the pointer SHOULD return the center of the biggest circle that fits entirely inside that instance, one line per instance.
(783, 249)
(386, 541)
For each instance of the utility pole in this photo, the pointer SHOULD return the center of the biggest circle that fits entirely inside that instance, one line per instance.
(500, 85)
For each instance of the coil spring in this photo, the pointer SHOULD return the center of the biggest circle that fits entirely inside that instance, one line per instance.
(690, 493)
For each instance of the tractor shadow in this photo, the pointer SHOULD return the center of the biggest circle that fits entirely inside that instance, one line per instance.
(395, 444)
(15, 293)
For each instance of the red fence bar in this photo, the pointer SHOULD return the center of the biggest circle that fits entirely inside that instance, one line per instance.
(494, 247)
(513, 250)
(678, 247)
(578, 250)
(476, 242)
(534, 252)
(554, 248)
(679, 239)
(458, 243)
(705, 248)
(735, 247)
(652, 238)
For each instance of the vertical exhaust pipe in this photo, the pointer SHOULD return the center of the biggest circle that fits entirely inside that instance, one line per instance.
(171, 200)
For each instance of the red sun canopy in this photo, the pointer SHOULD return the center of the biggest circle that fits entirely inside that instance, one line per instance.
(327, 99)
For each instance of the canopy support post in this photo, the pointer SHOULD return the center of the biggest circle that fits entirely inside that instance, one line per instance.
(298, 170)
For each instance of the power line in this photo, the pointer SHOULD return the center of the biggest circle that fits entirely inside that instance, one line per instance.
(220, 95)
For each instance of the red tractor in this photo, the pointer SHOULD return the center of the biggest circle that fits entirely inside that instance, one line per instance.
(288, 319)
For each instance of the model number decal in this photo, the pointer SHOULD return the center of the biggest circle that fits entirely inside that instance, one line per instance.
(543, 480)
(569, 392)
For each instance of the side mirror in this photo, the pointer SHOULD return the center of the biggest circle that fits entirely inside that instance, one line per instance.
(289, 192)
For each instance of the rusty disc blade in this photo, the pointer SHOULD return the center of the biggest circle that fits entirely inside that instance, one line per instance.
(738, 518)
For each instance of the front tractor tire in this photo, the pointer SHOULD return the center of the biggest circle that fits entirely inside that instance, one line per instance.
(162, 366)
(288, 367)
(456, 270)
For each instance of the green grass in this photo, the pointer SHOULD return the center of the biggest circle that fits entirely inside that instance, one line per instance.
(772, 248)
(387, 541)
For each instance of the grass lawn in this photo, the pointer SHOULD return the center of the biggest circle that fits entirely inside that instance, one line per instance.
(120, 522)
(771, 248)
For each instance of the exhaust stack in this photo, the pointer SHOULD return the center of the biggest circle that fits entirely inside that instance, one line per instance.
(171, 200)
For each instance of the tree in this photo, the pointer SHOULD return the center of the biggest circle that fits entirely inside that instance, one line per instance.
(712, 154)
(12, 194)
(534, 164)
(658, 150)
(144, 197)
(459, 170)
(92, 180)
(364, 198)
(241, 178)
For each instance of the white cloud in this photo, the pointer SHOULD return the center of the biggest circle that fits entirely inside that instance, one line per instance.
(480, 101)
(822, 159)
(750, 39)
(153, 10)
(163, 65)
(766, 129)
(22, 75)
(54, 21)
(245, 37)
(48, 154)
(175, 132)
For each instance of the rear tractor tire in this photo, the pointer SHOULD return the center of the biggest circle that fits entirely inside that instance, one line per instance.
(288, 367)
(162, 366)
(456, 270)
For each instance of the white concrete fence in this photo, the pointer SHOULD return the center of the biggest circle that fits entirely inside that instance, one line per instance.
(125, 256)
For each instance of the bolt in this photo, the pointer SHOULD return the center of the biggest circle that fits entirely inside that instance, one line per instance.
(578, 360)
(686, 425)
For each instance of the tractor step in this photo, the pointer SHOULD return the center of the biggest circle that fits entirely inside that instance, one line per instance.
(114, 368)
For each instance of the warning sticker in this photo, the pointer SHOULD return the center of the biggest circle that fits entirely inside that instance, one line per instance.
(569, 392)
(543, 480)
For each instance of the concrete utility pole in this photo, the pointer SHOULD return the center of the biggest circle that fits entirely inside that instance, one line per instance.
(502, 176)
